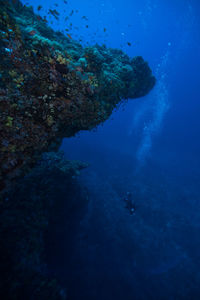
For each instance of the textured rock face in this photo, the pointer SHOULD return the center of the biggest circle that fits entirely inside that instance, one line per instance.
(51, 87)
(25, 214)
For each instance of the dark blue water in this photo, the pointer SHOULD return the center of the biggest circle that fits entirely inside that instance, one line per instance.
(149, 147)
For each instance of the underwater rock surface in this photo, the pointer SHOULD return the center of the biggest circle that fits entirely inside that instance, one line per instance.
(25, 213)
(51, 87)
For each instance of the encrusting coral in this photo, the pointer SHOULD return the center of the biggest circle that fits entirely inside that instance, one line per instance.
(51, 87)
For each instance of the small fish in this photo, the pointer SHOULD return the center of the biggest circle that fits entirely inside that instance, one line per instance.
(104, 29)
(56, 4)
(39, 7)
(128, 43)
(71, 13)
(67, 29)
(32, 32)
(76, 10)
(84, 18)
(39, 18)
(54, 13)
(65, 1)
(69, 36)
(66, 18)
(86, 26)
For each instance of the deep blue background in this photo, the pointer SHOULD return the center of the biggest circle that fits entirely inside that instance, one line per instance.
(150, 147)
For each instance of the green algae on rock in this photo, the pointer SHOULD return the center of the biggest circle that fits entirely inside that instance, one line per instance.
(51, 87)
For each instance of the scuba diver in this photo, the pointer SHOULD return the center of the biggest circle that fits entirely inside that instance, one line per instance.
(130, 205)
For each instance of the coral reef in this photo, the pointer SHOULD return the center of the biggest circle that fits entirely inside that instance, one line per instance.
(51, 87)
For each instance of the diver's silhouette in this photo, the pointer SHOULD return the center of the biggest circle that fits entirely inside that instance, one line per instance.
(130, 205)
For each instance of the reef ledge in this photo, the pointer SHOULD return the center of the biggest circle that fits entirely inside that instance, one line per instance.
(51, 87)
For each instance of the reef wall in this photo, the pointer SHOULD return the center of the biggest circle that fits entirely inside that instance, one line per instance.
(51, 87)
(26, 213)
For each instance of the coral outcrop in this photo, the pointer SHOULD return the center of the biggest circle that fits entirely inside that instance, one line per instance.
(51, 87)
